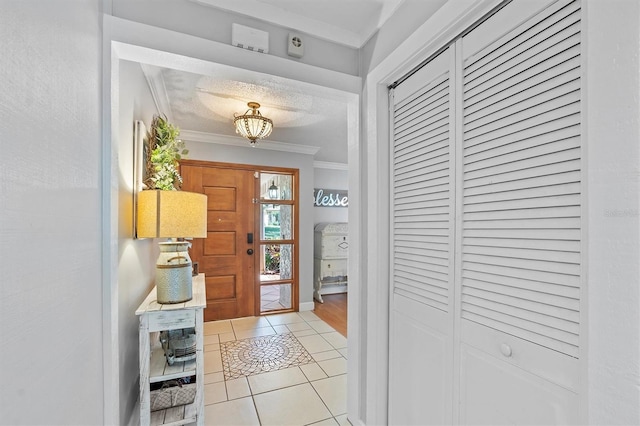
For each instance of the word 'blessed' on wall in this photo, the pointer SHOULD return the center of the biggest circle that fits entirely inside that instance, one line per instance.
(330, 197)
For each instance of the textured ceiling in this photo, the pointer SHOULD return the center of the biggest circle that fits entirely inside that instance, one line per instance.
(302, 114)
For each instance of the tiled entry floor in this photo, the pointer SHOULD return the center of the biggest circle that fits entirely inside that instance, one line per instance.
(302, 381)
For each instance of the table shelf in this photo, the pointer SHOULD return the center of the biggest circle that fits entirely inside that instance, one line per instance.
(160, 370)
(154, 368)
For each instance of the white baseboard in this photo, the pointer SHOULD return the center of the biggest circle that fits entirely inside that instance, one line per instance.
(306, 306)
(333, 289)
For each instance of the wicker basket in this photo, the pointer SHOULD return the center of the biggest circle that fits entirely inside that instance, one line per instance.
(172, 394)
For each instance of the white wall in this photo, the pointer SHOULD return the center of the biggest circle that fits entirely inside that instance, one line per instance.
(613, 229)
(189, 17)
(50, 223)
(330, 179)
(244, 154)
(410, 15)
(136, 258)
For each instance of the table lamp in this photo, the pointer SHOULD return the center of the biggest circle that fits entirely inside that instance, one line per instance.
(175, 215)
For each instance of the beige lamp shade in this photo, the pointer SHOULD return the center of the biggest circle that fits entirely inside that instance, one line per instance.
(171, 214)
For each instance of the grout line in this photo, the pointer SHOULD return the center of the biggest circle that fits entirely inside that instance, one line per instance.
(331, 417)
(314, 361)
(255, 408)
(323, 370)
(325, 404)
(249, 384)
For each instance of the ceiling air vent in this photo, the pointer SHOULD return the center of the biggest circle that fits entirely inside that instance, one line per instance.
(249, 38)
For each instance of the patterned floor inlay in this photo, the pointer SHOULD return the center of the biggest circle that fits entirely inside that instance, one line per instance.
(261, 354)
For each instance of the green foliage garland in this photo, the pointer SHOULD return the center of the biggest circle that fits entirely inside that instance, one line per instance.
(165, 150)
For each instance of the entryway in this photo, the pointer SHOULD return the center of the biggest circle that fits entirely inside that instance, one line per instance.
(250, 256)
(129, 43)
(280, 369)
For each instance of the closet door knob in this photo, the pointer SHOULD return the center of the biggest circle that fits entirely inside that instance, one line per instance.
(506, 350)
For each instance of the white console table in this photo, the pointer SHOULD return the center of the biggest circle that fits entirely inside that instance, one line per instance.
(154, 318)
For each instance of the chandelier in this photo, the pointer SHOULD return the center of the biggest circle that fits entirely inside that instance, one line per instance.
(252, 125)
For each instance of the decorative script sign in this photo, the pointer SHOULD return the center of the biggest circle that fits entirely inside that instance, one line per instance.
(330, 197)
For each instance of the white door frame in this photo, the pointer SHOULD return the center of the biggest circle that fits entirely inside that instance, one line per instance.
(125, 40)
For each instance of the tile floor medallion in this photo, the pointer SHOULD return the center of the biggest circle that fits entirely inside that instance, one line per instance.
(256, 355)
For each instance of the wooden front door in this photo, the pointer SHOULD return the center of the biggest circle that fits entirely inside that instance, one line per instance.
(226, 255)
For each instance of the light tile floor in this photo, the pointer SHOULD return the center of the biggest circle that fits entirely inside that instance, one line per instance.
(306, 384)
(270, 296)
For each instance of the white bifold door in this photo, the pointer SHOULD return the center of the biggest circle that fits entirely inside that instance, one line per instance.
(486, 225)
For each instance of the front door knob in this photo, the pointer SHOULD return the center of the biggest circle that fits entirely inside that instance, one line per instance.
(250, 251)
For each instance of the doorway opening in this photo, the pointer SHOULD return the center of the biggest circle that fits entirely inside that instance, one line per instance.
(129, 43)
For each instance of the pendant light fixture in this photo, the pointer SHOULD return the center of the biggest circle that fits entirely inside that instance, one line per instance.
(253, 125)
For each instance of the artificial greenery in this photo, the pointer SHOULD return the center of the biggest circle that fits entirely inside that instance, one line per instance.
(165, 150)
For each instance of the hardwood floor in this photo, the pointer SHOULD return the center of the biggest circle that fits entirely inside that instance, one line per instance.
(333, 311)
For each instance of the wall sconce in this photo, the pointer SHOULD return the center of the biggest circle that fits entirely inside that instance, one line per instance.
(175, 215)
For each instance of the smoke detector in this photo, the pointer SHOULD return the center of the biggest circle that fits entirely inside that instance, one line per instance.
(296, 46)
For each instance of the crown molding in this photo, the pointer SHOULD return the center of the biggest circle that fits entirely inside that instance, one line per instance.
(195, 136)
(328, 165)
(158, 90)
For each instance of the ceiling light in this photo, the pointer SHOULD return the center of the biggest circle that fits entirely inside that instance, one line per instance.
(252, 125)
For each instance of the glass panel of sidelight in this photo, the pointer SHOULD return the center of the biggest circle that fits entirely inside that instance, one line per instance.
(277, 222)
(274, 297)
(275, 186)
(276, 262)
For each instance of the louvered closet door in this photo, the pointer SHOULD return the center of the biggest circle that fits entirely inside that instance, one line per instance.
(421, 320)
(520, 206)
